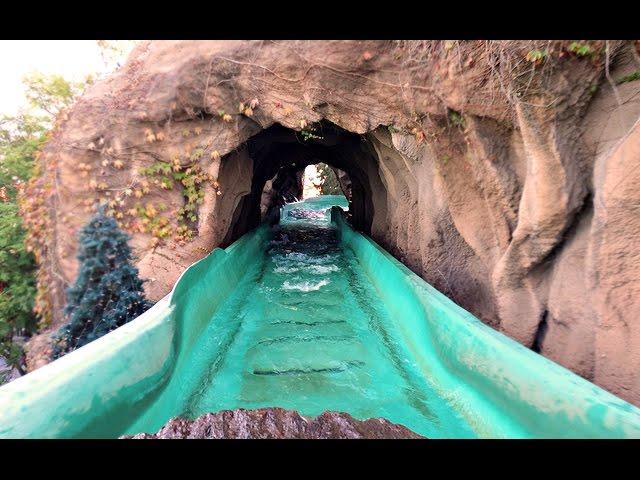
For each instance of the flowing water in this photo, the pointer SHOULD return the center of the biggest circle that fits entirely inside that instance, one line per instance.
(306, 331)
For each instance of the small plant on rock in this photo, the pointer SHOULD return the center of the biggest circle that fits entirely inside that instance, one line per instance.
(456, 119)
(536, 56)
(307, 131)
(580, 49)
(632, 77)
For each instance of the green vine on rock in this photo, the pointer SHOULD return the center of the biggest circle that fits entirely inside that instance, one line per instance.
(632, 77)
(307, 131)
(536, 56)
(192, 179)
(581, 49)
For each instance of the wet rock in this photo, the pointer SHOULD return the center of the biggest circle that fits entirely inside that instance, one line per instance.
(8, 373)
(276, 423)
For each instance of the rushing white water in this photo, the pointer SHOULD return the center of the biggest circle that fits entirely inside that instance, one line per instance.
(305, 286)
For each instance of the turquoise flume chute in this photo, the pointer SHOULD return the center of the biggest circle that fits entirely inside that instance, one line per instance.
(310, 315)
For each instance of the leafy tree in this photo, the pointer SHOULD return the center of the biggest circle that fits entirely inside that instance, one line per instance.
(107, 293)
(52, 93)
(330, 183)
(17, 283)
(21, 136)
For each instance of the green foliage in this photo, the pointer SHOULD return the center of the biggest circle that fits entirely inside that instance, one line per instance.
(536, 56)
(21, 137)
(16, 273)
(632, 77)
(456, 119)
(197, 154)
(17, 283)
(581, 49)
(307, 133)
(157, 168)
(107, 293)
(52, 93)
(191, 178)
(330, 183)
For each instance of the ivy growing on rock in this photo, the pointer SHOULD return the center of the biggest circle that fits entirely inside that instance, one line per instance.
(108, 291)
(191, 178)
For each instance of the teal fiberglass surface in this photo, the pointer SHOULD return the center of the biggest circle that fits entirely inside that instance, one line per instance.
(305, 331)
(312, 316)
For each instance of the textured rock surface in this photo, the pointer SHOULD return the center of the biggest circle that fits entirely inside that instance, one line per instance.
(8, 373)
(275, 423)
(512, 189)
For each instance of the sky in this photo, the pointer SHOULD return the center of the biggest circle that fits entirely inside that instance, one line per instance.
(73, 59)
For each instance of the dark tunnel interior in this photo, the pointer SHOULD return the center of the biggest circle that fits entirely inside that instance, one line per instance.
(280, 155)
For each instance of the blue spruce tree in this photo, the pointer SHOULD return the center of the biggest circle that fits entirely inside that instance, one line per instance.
(107, 293)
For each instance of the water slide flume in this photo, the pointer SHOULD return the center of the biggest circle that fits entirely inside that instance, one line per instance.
(482, 383)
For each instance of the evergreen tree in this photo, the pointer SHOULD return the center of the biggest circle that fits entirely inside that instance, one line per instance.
(108, 292)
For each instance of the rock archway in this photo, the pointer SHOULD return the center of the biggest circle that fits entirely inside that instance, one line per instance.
(279, 155)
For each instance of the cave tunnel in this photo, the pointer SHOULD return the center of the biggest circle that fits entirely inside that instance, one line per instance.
(279, 157)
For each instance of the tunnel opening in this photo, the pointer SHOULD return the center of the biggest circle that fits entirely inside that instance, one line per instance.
(278, 158)
(321, 179)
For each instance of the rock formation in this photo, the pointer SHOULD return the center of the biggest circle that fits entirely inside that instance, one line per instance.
(504, 173)
(8, 373)
(277, 423)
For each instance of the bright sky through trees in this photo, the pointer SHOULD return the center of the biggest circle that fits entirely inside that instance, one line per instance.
(73, 59)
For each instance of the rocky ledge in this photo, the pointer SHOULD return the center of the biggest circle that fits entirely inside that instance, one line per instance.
(275, 423)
